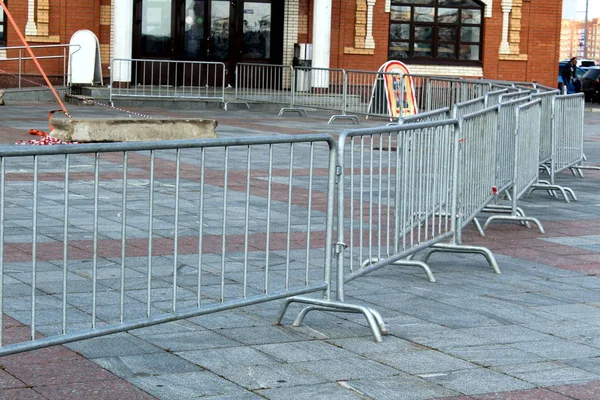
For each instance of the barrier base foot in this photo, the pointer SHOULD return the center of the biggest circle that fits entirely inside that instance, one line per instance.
(227, 103)
(301, 112)
(580, 168)
(552, 188)
(352, 118)
(518, 218)
(373, 318)
(456, 248)
(408, 262)
(500, 209)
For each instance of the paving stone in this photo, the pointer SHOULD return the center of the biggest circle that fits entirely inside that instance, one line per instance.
(582, 391)
(146, 365)
(391, 344)
(228, 357)
(587, 364)
(61, 373)
(557, 349)
(400, 387)
(113, 389)
(531, 394)
(533, 299)
(342, 369)
(493, 355)
(422, 362)
(263, 334)
(477, 381)
(21, 394)
(433, 335)
(325, 391)
(121, 344)
(236, 396)
(189, 385)
(293, 352)
(506, 334)
(181, 341)
(544, 374)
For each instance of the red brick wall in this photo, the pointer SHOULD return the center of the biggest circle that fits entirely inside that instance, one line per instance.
(540, 40)
(540, 36)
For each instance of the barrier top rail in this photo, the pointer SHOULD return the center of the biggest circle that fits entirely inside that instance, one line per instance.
(49, 46)
(442, 112)
(167, 61)
(22, 151)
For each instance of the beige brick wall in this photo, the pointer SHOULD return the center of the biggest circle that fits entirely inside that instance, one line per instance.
(445, 70)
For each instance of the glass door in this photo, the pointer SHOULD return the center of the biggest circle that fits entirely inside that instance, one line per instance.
(156, 25)
(228, 31)
(256, 30)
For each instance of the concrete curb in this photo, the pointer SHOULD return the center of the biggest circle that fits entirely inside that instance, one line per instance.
(131, 129)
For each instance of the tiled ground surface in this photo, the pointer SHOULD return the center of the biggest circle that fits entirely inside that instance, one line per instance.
(532, 332)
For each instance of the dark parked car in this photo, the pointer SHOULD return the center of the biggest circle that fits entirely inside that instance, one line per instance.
(590, 84)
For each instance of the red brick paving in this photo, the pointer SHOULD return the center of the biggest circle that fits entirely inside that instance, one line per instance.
(57, 373)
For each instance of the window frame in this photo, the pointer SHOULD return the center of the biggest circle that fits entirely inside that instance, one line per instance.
(4, 25)
(407, 15)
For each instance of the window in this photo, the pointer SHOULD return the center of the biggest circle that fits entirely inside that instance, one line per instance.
(2, 28)
(436, 30)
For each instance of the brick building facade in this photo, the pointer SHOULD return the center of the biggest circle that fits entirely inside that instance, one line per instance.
(509, 39)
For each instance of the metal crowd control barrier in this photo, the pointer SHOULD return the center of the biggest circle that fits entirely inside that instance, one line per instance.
(514, 95)
(564, 126)
(141, 234)
(505, 156)
(505, 145)
(442, 92)
(476, 179)
(428, 116)
(63, 49)
(526, 150)
(468, 107)
(264, 83)
(396, 195)
(492, 98)
(167, 79)
(546, 127)
(321, 88)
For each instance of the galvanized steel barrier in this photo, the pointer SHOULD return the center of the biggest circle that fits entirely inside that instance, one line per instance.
(476, 179)
(493, 98)
(514, 95)
(126, 236)
(505, 157)
(264, 83)
(468, 107)
(396, 196)
(167, 79)
(526, 151)
(428, 116)
(562, 138)
(62, 53)
(322, 88)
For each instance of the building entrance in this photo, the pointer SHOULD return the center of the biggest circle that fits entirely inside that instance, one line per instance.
(228, 31)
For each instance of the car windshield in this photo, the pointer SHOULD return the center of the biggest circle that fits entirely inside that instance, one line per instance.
(588, 64)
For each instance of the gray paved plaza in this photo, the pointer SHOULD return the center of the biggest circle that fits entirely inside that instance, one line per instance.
(532, 332)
